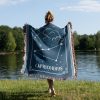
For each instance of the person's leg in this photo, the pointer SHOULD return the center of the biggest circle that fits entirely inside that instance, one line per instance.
(51, 86)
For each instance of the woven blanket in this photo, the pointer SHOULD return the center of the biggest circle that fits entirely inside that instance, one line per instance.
(48, 52)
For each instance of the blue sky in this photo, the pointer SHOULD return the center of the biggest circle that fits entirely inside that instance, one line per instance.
(84, 14)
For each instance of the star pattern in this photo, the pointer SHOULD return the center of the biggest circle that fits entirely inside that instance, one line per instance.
(49, 50)
(54, 38)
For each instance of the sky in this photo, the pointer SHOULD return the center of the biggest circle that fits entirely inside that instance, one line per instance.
(84, 14)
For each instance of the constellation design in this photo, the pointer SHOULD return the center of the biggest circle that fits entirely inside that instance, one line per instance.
(48, 49)
(52, 32)
(49, 52)
(53, 36)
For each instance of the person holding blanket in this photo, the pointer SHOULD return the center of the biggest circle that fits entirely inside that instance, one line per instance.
(48, 19)
(72, 70)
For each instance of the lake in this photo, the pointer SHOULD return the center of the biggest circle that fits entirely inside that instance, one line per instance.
(88, 66)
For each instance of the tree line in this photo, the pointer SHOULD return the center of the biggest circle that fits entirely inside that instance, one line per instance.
(87, 42)
(12, 39)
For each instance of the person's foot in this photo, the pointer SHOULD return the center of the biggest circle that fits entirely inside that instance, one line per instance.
(52, 92)
(49, 90)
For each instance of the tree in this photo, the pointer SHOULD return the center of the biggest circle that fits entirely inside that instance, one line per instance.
(3, 31)
(98, 40)
(83, 42)
(19, 38)
(2, 40)
(7, 35)
(10, 44)
(91, 42)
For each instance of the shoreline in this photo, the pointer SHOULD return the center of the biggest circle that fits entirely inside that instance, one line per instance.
(7, 53)
(87, 50)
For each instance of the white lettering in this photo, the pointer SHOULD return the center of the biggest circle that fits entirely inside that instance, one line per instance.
(47, 67)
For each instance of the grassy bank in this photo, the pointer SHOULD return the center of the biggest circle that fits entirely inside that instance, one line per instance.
(37, 90)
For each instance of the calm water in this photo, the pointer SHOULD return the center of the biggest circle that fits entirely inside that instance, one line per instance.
(88, 66)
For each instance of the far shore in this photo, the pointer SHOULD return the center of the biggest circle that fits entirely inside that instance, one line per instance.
(87, 50)
(6, 53)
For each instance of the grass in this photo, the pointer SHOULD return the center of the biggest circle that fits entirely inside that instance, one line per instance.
(37, 90)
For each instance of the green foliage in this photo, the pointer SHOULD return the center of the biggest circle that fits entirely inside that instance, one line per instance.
(10, 44)
(98, 40)
(2, 40)
(91, 42)
(4, 30)
(83, 42)
(11, 39)
(19, 38)
(87, 42)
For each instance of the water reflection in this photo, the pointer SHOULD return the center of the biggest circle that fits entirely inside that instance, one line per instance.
(88, 66)
(10, 65)
(98, 59)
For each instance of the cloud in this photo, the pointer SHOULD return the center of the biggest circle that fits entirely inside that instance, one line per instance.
(10, 2)
(84, 6)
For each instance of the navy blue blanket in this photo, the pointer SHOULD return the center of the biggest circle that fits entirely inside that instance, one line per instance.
(48, 52)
